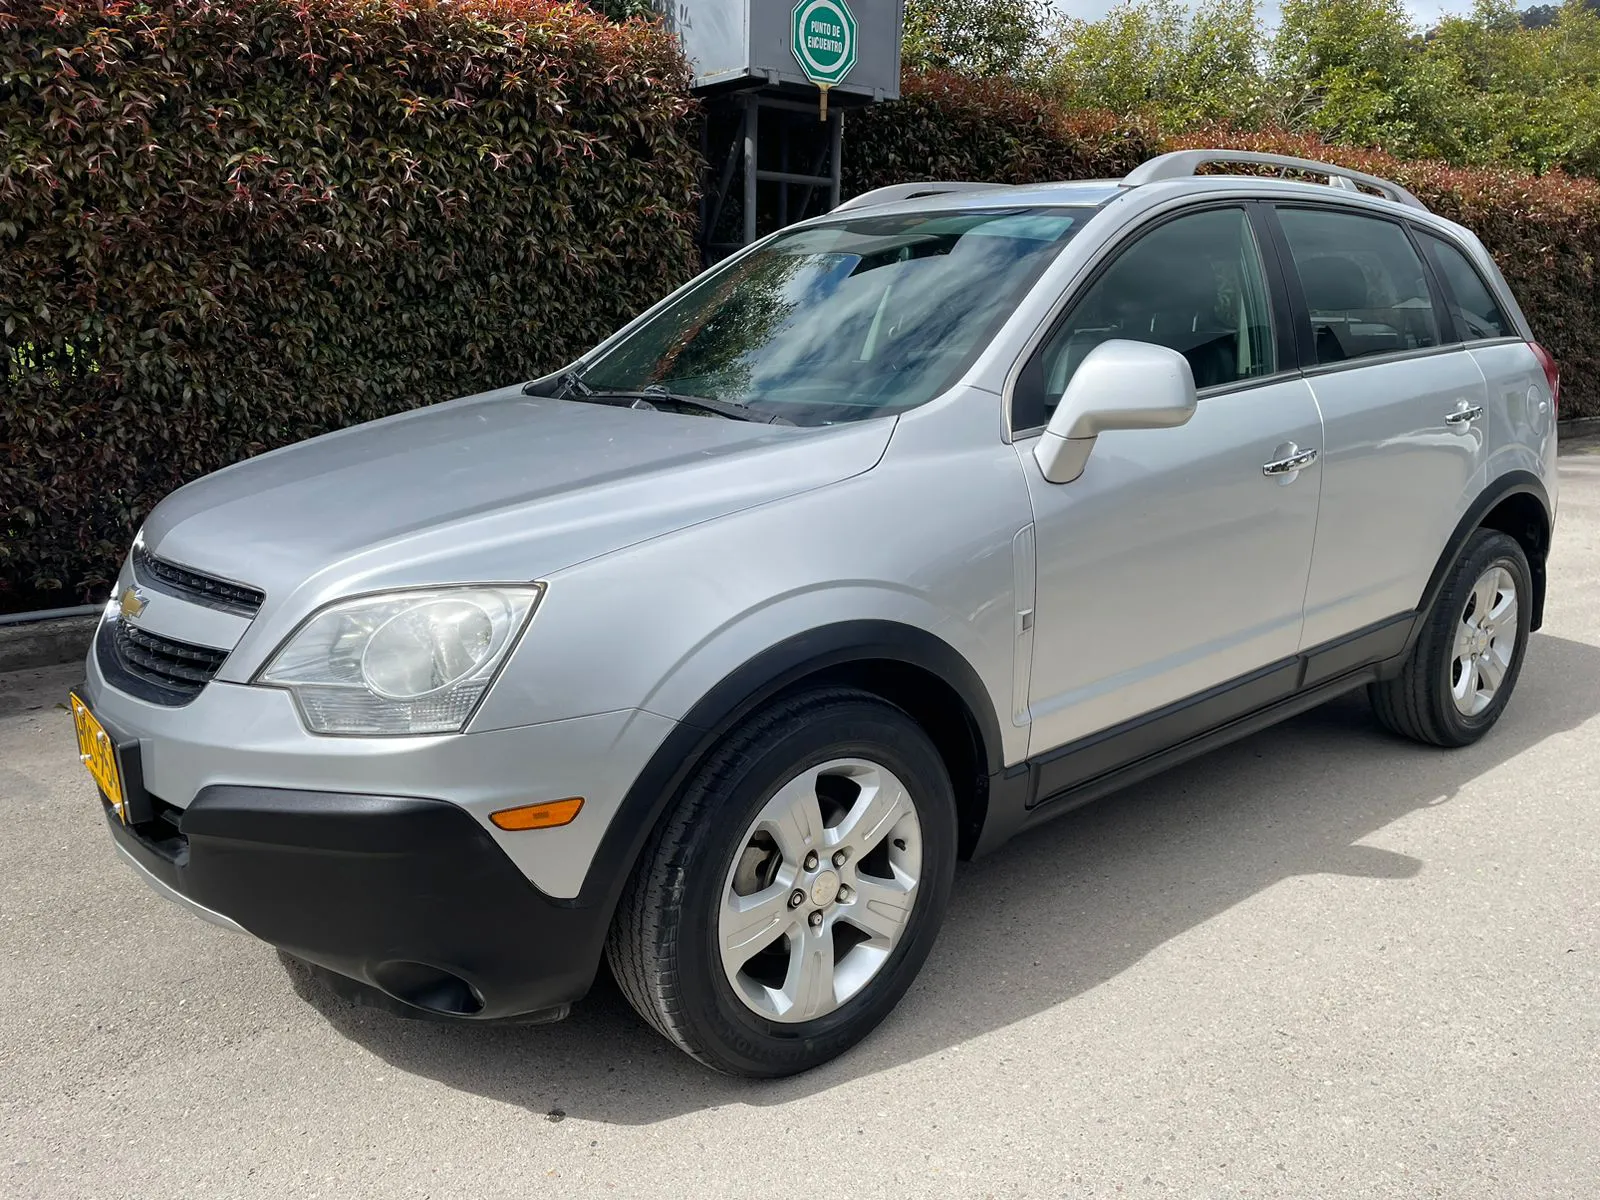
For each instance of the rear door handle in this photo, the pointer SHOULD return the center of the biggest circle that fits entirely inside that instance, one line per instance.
(1462, 416)
(1287, 466)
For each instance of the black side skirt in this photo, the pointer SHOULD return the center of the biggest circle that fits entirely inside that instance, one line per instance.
(1062, 779)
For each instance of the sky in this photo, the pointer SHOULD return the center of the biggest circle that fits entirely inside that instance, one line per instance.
(1425, 12)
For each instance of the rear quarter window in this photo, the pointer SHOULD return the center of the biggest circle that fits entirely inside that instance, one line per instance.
(1472, 303)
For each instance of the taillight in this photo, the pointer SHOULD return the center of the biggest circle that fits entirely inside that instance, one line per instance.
(1552, 373)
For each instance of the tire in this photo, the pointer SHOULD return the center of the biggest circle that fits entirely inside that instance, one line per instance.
(728, 843)
(1433, 700)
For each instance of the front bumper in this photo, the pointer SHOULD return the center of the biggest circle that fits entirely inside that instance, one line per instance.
(409, 896)
(236, 735)
(375, 859)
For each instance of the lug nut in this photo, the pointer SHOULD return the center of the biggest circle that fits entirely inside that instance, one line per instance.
(797, 898)
(839, 858)
(816, 918)
(811, 861)
(844, 895)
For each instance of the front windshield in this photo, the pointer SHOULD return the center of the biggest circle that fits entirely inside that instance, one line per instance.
(839, 322)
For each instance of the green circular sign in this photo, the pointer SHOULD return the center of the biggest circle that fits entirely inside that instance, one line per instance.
(824, 39)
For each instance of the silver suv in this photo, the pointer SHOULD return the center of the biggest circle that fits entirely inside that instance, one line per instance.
(903, 530)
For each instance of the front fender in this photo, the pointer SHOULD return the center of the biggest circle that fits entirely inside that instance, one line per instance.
(743, 691)
(701, 625)
(910, 561)
(657, 626)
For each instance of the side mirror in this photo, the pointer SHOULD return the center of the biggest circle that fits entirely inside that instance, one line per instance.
(1119, 385)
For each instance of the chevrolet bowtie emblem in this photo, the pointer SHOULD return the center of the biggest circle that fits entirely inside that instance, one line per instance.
(132, 603)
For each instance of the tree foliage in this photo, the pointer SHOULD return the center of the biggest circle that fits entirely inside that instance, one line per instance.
(1342, 66)
(1493, 85)
(1183, 64)
(984, 39)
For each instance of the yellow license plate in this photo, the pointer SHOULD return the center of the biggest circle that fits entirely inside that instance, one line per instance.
(99, 755)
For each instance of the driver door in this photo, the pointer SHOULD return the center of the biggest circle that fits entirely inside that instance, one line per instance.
(1173, 567)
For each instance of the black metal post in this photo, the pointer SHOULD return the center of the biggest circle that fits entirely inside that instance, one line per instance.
(724, 182)
(783, 169)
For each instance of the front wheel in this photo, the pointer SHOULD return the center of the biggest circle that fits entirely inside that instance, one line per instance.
(786, 905)
(1467, 658)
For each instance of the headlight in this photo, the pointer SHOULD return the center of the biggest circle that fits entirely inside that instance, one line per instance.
(401, 662)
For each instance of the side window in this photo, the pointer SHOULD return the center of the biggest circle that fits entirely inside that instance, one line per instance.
(1194, 284)
(1363, 282)
(1472, 303)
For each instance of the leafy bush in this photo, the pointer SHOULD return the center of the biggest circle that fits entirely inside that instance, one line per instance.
(947, 126)
(226, 225)
(230, 224)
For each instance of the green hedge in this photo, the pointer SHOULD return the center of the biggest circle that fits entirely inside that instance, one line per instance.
(947, 126)
(230, 224)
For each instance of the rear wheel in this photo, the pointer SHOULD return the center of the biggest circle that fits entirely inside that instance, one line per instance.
(785, 906)
(1467, 658)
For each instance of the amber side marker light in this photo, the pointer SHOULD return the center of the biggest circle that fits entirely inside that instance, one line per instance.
(548, 815)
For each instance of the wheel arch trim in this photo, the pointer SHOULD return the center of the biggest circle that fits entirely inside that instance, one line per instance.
(1501, 489)
(744, 690)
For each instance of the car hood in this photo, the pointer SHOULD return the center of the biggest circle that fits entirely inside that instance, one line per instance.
(496, 487)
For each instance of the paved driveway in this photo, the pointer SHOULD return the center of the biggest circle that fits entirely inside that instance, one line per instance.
(1318, 963)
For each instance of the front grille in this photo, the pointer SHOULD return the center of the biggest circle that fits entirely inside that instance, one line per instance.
(177, 669)
(167, 576)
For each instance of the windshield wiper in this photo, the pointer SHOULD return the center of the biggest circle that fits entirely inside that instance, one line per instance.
(657, 397)
(568, 384)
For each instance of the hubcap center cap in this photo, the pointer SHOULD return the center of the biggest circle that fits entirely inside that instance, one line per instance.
(824, 888)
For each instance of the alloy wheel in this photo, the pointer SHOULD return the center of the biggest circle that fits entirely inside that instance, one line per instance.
(1485, 642)
(821, 890)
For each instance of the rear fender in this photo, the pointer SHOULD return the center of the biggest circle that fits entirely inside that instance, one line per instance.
(1536, 536)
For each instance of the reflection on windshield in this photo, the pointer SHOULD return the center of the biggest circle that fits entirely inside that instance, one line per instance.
(844, 321)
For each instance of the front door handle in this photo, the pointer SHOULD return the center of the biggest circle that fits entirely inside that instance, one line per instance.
(1297, 461)
(1465, 414)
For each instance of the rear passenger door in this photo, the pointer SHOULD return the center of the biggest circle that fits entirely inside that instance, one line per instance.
(1402, 403)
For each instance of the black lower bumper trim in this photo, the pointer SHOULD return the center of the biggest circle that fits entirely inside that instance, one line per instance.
(409, 896)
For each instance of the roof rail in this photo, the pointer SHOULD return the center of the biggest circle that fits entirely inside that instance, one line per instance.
(1180, 164)
(911, 191)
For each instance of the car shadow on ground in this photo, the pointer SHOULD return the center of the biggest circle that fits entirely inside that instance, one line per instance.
(1048, 917)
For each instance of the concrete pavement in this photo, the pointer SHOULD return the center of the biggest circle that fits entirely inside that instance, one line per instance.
(1320, 962)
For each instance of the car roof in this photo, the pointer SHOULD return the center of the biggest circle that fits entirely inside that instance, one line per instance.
(1167, 175)
(1082, 193)
(1094, 193)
